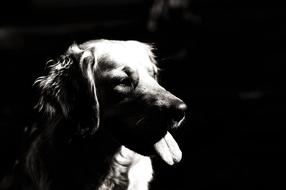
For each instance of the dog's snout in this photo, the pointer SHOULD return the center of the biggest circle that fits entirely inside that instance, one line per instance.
(178, 111)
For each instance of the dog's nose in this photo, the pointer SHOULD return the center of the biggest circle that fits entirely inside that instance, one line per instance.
(178, 111)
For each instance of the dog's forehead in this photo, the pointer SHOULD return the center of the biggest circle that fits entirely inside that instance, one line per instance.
(113, 54)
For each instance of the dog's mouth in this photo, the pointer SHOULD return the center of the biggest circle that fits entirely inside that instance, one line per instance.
(148, 138)
(165, 145)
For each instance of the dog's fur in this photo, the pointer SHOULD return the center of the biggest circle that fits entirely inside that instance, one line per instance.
(101, 110)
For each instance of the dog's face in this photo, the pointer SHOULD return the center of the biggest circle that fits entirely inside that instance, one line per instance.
(136, 109)
(113, 85)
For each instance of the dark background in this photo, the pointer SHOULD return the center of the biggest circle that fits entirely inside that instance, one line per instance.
(224, 59)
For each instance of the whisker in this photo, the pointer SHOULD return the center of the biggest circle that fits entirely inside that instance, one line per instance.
(140, 120)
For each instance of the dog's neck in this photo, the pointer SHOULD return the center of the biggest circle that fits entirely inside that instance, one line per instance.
(119, 168)
(128, 170)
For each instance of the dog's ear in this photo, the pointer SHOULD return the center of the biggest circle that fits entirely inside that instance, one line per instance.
(150, 48)
(69, 90)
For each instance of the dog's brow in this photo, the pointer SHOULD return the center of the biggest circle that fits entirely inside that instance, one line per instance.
(128, 70)
(132, 73)
(106, 62)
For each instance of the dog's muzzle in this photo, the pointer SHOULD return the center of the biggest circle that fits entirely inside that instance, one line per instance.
(167, 148)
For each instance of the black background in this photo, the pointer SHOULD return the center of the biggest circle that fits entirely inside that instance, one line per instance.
(225, 62)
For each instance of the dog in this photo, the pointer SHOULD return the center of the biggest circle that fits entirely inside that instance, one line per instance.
(102, 115)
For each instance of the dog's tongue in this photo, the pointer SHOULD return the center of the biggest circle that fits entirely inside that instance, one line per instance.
(168, 149)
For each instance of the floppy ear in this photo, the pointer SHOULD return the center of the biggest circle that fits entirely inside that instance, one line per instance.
(69, 90)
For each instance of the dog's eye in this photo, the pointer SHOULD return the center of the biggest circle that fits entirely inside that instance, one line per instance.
(123, 86)
(126, 82)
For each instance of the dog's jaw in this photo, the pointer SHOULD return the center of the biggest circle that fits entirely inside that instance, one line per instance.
(152, 141)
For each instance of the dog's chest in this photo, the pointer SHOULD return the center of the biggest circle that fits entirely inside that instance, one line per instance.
(128, 170)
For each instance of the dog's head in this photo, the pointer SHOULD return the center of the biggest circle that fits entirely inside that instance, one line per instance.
(114, 84)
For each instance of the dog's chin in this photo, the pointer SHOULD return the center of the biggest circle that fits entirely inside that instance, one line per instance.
(148, 142)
